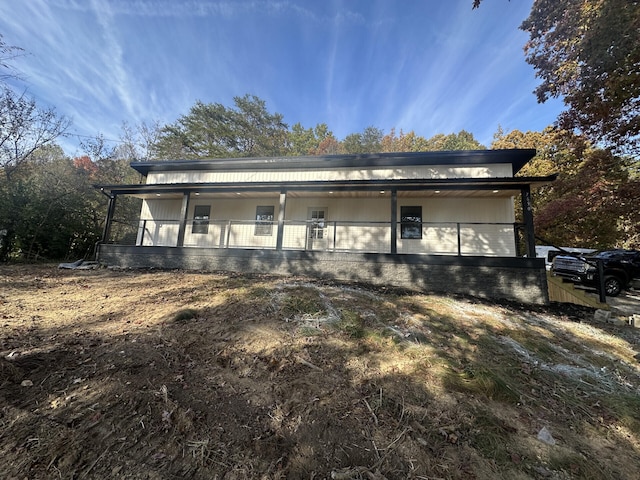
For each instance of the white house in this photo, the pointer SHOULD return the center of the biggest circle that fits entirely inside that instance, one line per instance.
(438, 221)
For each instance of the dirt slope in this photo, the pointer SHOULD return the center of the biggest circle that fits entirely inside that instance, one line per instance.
(167, 375)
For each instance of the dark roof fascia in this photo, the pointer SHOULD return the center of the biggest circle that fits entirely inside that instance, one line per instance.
(346, 185)
(516, 157)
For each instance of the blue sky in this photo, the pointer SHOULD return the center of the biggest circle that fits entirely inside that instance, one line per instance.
(431, 66)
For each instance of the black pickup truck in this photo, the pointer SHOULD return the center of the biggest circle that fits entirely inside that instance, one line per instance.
(621, 269)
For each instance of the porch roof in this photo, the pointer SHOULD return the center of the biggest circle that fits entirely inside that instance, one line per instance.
(444, 184)
(516, 157)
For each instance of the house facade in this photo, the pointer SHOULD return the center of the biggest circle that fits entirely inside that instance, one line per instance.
(433, 221)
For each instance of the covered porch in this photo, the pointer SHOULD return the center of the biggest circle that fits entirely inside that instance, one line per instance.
(454, 237)
(439, 217)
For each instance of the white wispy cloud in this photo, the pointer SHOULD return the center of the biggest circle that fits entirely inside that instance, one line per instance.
(425, 66)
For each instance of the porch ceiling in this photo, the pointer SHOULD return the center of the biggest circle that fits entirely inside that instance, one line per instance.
(341, 194)
(459, 187)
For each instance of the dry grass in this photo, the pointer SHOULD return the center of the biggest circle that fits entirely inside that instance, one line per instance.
(190, 375)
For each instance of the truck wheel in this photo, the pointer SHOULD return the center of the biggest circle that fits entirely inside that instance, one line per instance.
(612, 286)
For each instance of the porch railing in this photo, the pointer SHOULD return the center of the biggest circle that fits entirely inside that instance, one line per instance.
(441, 238)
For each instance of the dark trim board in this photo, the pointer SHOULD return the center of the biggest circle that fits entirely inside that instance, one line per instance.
(519, 279)
(326, 186)
(516, 157)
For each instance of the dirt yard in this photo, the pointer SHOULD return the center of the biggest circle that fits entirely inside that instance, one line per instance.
(176, 375)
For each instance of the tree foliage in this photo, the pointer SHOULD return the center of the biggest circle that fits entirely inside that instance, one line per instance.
(25, 130)
(588, 53)
(592, 203)
(111, 166)
(312, 141)
(556, 150)
(403, 142)
(369, 141)
(373, 140)
(46, 211)
(213, 130)
(594, 207)
(462, 140)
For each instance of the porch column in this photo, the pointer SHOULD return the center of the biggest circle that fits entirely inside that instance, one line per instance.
(280, 234)
(527, 216)
(183, 215)
(394, 221)
(106, 232)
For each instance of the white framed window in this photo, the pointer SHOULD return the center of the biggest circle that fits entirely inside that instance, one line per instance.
(264, 220)
(317, 218)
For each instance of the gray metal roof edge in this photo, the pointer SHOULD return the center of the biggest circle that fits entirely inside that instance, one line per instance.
(516, 157)
(379, 183)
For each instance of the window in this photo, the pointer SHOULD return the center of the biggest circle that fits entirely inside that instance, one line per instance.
(316, 223)
(411, 222)
(264, 220)
(201, 219)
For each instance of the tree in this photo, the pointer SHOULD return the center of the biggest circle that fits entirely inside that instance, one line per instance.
(588, 52)
(7, 53)
(328, 146)
(595, 207)
(261, 134)
(404, 142)
(47, 204)
(310, 141)
(462, 140)
(214, 131)
(301, 140)
(373, 140)
(136, 142)
(111, 165)
(556, 150)
(369, 141)
(592, 203)
(25, 128)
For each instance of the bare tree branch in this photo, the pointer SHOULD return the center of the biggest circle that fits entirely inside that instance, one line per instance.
(25, 128)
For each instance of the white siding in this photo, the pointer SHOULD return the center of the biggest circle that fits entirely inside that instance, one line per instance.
(362, 234)
(342, 209)
(401, 172)
(159, 222)
(232, 222)
(440, 234)
(352, 224)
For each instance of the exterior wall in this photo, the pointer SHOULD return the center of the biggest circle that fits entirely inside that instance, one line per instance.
(401, 172)
(369, 237)
(237, 234)
(440, 233)
(519, 279)
(161, 232)
(353, 224)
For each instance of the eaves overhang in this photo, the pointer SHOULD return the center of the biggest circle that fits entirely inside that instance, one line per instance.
(516, 157)
(320, 186)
